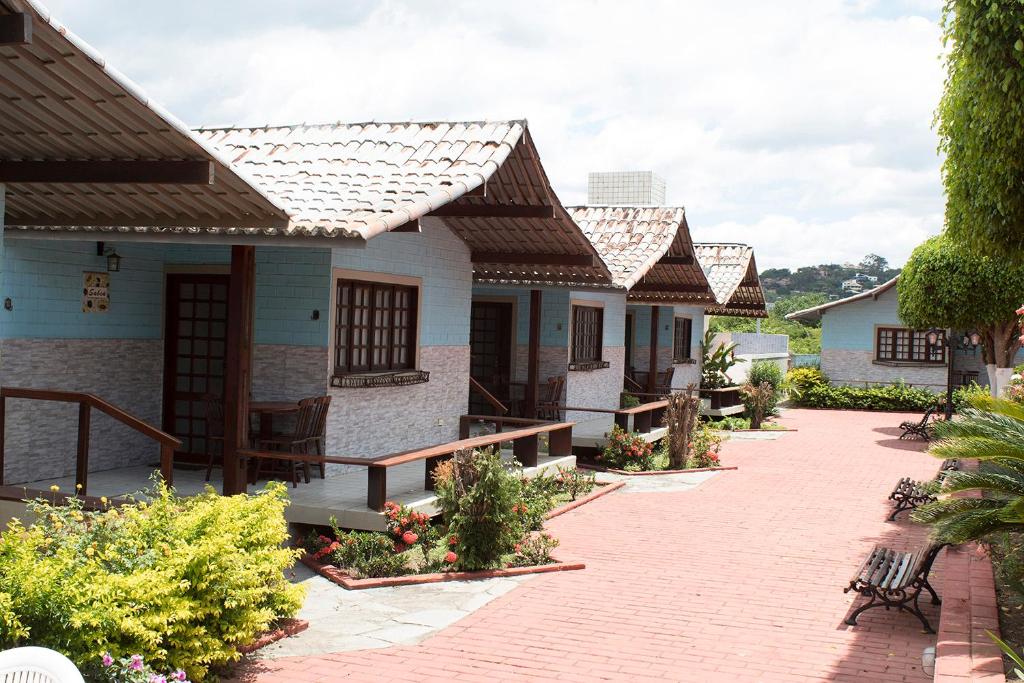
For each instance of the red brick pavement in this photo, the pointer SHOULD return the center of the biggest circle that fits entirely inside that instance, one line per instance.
(738, 580)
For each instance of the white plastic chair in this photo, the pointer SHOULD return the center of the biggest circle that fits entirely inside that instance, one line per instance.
(37, 665)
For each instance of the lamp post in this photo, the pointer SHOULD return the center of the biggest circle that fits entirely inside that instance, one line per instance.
(970, 340)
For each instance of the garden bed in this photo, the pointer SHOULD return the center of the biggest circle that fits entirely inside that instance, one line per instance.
(347, 581)
(642, 473)
(286, 628)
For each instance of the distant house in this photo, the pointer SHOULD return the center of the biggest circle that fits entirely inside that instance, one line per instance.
(864, 342)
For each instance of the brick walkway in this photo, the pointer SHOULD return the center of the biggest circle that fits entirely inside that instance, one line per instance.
(739, 579)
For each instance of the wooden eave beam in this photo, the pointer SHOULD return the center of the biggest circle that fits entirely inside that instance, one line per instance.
(669, 289)
(108, 172)
(15, 29)
(675, 261)
(532, 259)
(411, 226)
(460, 210)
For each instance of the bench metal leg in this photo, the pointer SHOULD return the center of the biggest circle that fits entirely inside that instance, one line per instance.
(900, 600)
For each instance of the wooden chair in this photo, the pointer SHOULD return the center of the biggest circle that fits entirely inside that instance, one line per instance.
(549, 403)
(921, 429)
(320, 431)
(309, 427)
(213, 412)
(663, 382)
(894, 579)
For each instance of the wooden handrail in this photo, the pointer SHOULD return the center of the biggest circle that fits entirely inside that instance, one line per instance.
(630, 381)
(488, 396)
(644, 415)
(86, 402)
(524, 448)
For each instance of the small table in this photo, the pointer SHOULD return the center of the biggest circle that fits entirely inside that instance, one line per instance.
(267, 410)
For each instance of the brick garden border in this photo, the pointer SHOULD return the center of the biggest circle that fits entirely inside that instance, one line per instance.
(287, 627)
(335, 575)
(602, 489)
(627, 473)
(963, 652)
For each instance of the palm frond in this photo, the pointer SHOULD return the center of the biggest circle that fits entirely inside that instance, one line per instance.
(948, 507)
(972, 525)
(1007, 483)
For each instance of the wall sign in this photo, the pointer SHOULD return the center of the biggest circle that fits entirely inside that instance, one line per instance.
(95, 292)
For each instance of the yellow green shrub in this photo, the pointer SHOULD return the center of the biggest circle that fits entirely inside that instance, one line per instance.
(180, 581)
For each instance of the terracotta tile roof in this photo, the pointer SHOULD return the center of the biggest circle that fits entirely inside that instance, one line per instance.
(63, 102)
(633, 240)
(732, 274)
(360, 180)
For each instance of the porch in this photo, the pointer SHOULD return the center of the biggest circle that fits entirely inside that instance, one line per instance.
(341, 495)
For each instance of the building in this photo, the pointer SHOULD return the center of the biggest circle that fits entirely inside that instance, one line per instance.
(864, 343)
(631, 188)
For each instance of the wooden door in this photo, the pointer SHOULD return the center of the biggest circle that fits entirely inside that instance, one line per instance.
(490, 351)
(194, 345)
(629, 343)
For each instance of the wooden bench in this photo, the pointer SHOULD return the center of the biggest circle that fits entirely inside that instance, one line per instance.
(895, 579)
(910, 494)
(921, 429)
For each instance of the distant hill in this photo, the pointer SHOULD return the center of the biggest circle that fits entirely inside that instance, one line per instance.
(826, 278)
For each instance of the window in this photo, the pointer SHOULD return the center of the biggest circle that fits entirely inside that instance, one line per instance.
(898, 344)
(587, 332)
(375, 327)
(681, 340)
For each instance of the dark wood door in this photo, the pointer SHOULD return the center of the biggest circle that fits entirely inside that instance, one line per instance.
(490, 349)
(194, 344)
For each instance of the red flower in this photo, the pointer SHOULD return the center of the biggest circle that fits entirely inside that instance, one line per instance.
(450, 557)
(399, 547)
(409, 538)
(453, 539)
(519, 547)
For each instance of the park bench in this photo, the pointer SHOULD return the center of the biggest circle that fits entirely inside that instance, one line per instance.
(895, 579)
(910, 494)
(921, 428)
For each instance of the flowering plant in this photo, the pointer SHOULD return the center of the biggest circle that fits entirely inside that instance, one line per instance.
(133, 670)
(627, 451)
(574, 482)
(534, 549)
(705, 443)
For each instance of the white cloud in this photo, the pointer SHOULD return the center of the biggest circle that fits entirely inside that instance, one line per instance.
(802, 127)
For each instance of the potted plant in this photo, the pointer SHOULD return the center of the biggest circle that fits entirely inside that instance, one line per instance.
(715, 385)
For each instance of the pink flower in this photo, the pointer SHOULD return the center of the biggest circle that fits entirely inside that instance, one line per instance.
(409, 538)
(1020, 311)
(450, 557)
(107, 659)
(179, 675)
(136, 663)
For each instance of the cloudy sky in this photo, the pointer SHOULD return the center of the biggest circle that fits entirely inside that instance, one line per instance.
(800, 127)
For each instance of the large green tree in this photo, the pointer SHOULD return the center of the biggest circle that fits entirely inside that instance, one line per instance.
(944, 285)
(981, 124)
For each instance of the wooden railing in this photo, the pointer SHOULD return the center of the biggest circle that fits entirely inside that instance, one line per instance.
(525, 448)
(86, 402)
(487, 396)
(645, 416)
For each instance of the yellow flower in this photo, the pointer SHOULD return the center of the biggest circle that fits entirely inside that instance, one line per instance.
(103, 499)
(89, 552)
(78, 487)
(55, 488)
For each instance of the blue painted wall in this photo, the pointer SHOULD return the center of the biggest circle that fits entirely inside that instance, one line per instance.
(642, 325)
(437, 256)
(851, 327)
(44, 280)
(556, 306)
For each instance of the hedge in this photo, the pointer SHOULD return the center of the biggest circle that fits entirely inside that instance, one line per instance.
(897, 397)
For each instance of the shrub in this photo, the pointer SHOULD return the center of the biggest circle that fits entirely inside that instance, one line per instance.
(178, 581)
(730, 423)
(575, 483)
(534, 549)
(759, 399)
(766, 371)
(368, 554)
(705, 445)
(627, 400)
(966, 397)
(716, 363)
(538, 497)
(800, 380)
(897, 397)
(627, 451)
(131, 669)
(476, 494)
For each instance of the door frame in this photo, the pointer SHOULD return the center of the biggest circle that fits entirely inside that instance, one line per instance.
(513, 325)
